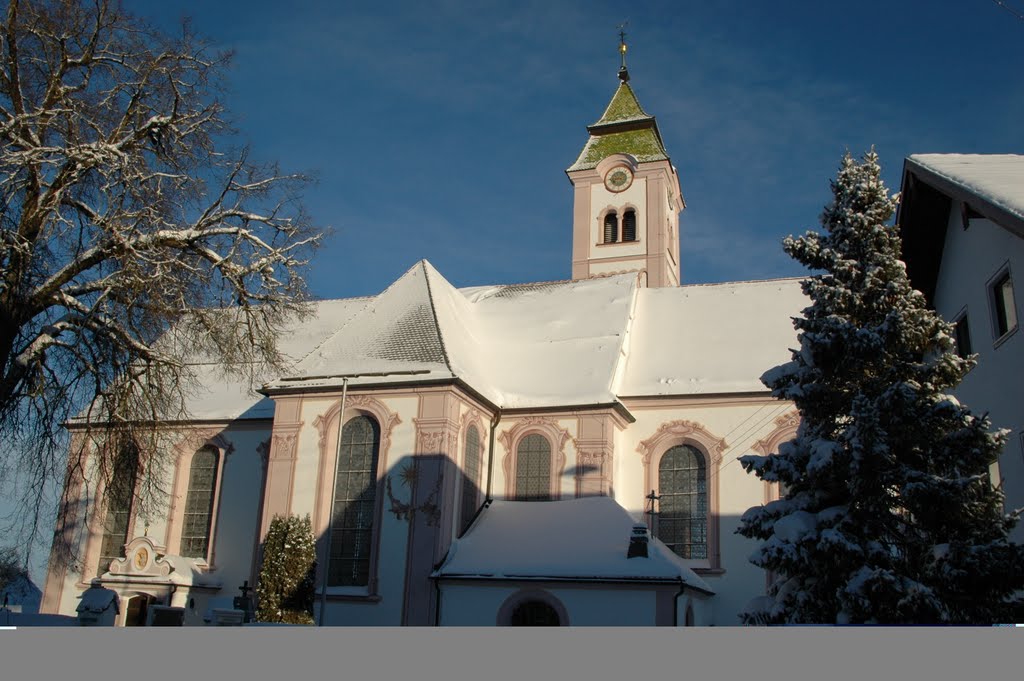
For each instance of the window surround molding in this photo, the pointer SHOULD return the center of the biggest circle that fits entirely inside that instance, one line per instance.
(547, 428)
(521, 596)
(470, 419)
(682, 432)
(991, 295)
(185, 450)
(786, 427)
(328, 426)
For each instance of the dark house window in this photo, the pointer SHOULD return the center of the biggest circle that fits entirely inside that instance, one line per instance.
(1004, 313)
(962, 336)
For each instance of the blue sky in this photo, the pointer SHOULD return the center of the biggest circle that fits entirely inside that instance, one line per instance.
(442, 130)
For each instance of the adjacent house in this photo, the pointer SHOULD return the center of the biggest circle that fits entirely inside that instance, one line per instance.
(962, 222)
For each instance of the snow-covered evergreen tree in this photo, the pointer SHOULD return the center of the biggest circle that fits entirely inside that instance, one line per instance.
(288, 573)
(889, 514)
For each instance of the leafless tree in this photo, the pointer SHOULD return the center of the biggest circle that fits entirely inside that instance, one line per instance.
(133, 236)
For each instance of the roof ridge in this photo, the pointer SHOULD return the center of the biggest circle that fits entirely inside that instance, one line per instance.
(345, 325)
(433, 311)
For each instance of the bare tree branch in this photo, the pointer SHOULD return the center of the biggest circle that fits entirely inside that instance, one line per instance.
(130, 229)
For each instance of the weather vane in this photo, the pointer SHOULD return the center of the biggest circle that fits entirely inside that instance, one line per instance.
(623, 73)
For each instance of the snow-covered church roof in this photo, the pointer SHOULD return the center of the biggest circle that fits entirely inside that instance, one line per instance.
(539, 345)
(577, 539)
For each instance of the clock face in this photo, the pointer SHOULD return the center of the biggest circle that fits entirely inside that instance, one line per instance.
(618, 179)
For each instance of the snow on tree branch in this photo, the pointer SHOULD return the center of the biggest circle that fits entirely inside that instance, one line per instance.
(126, 214)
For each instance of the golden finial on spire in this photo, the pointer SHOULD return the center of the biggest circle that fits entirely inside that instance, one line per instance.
(623, 73)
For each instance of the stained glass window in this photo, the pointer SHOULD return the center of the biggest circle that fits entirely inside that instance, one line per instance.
(470, 474)
(354, 503)
(533, 469)
(202, 481)
(683, 516)
(120, 493)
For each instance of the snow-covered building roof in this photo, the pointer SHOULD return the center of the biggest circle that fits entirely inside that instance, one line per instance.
(986, 185)
(710, 338)
(994, 181)
(22, 592)
(537, 345)
(577, 539)
(561, 343)
(97, 599)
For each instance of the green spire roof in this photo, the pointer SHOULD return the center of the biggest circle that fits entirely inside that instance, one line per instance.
(623, 107)
(624, 128)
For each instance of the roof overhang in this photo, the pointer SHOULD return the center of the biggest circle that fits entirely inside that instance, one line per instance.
(924, 215)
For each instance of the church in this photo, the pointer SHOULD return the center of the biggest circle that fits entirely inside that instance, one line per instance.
(551, 453)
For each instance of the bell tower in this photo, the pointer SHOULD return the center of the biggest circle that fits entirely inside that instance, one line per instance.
(626, 195)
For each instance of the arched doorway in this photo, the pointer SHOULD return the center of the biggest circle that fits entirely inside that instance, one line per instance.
(532, 608)
(534, 614)
(136, 610)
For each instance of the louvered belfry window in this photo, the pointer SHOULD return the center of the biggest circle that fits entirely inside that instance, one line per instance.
(533, 469)
(470, 475)
(120, 493)
(683, 516)
(202, 482)
(629, 225)
(354, 503)
(611, 228)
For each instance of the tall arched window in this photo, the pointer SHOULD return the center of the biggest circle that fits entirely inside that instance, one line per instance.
(355, 496)
(683, 517)
(120, 493)
(533, 469)
(198, 516)
(611, 228)
(629, 225)
(470, 475)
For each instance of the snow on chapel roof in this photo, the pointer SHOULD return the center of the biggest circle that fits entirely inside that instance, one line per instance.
(577, 538)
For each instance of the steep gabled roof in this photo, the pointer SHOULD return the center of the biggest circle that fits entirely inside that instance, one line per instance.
(396, 333)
